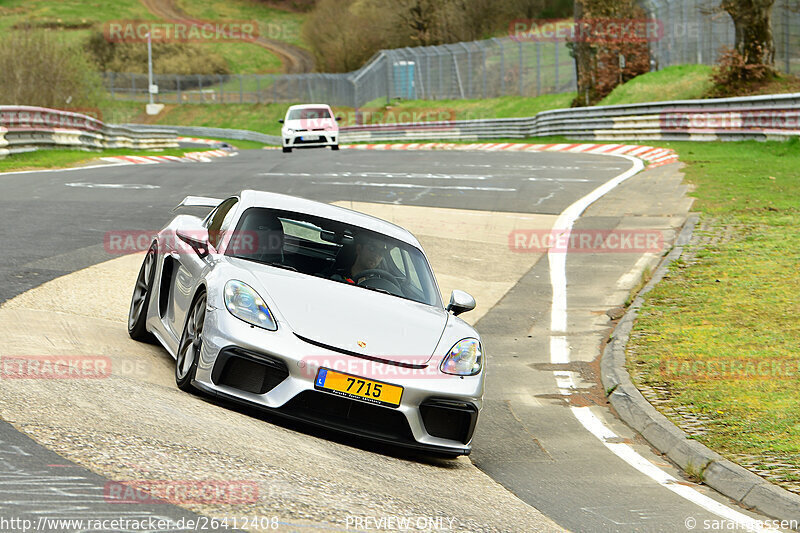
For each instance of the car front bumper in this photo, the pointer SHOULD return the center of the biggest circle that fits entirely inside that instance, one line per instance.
(302, 139)
(276, 370)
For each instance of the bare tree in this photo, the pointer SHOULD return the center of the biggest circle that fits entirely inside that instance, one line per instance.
(751, 20)
(604, 60)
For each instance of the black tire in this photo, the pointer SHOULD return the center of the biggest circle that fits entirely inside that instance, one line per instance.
(335, 147)
(140, 300)
(287, 150)
(191, 344)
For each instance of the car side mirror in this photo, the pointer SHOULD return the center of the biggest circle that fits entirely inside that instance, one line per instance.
(460, 302)
(197, 239)
(280, 120)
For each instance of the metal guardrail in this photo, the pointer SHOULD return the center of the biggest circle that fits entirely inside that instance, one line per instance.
(756, 117)
(27, 128)
(218, 133)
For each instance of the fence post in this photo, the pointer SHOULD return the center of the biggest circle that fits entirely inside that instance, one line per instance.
(469, 70)
(258, 89)
(221, 90)
(538, 68)
(113, 82)
(502, 67)
(483, 51)
(557, 61)
(389, 67)
(241, 90)
(787, 14)
(521, 70)
(178, 86)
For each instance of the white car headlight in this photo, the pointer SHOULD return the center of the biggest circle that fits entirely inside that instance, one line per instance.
(245, 304)
(464, 359)
(289, 131)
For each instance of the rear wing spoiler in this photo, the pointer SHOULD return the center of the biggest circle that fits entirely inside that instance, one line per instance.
(198, 201)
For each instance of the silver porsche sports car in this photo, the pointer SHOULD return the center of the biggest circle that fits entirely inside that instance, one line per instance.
(314, 312)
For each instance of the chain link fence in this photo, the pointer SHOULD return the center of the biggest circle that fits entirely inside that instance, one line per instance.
(479, 69)
(694, 32)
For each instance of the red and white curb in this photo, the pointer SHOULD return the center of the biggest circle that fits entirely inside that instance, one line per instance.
(654, 156)
(201, 157)
(196, 140)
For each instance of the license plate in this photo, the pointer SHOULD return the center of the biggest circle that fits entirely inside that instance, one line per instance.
(309, 138)
(358, 388)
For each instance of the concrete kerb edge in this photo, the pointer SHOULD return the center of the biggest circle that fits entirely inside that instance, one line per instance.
(697, 460)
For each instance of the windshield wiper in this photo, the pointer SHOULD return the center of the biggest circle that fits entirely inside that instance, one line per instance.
(281, 265)
(384, 291)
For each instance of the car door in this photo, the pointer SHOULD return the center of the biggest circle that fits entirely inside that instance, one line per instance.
(192, 264)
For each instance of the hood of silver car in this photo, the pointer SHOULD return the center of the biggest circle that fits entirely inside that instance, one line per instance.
(346, 317)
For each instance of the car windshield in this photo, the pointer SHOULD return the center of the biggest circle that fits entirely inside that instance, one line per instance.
(309, 113)
(335, 251)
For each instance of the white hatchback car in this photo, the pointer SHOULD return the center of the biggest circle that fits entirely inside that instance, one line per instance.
(309, 125)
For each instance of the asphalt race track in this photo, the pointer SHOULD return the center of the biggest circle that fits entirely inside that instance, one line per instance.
(534, 467)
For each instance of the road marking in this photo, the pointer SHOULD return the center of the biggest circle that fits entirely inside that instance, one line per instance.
(413, 186)
(113, 185)
(405, 175)
(71, 169)
(560, 354)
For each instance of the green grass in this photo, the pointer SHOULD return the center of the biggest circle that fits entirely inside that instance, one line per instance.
(737, 301)
(503, 107)
(247, 58)
(242, 57)
(58, 158)
(69, 11)
(681, 82)
(273, 23)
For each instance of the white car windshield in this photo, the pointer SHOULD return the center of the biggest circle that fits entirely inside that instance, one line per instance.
(310, 113)
(336, 251)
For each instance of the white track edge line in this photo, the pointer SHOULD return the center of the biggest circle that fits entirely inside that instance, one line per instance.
(560, 353)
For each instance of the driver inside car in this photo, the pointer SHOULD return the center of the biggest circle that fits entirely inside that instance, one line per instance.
(369, 255)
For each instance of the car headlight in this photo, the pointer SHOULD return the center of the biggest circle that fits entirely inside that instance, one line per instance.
(289, 131)
(245, 304)
(464, 359)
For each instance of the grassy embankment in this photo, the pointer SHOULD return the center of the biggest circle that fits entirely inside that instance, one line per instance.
(43, 159)
(717, 339)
